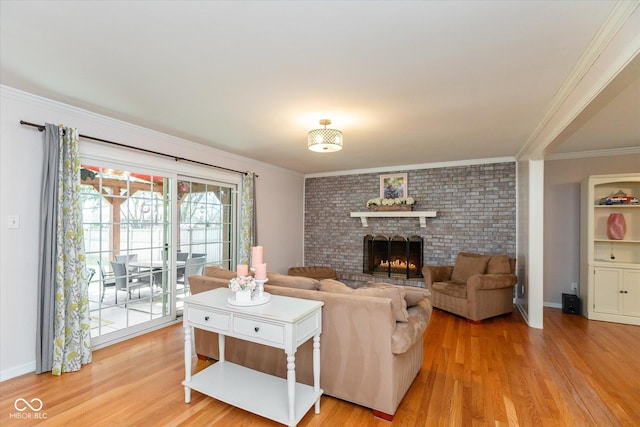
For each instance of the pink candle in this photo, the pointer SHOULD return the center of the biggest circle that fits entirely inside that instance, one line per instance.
(242, 269)
(261, 271)
(257, 253)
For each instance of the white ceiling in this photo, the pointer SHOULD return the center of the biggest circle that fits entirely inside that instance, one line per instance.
(408, 82)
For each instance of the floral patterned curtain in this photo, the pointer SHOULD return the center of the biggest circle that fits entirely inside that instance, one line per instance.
(248, 224)
(63, 294)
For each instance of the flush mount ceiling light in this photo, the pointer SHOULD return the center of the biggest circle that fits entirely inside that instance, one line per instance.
(324, 140)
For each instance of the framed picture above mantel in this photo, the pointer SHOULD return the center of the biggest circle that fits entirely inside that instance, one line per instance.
(393, 185)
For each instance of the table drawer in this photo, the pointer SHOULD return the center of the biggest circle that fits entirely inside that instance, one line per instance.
(210, 319)
(259, 330)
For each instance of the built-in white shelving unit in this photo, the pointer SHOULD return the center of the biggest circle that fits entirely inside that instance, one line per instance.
(610, 269)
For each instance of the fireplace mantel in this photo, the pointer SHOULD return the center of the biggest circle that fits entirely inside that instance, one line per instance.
(422, 215)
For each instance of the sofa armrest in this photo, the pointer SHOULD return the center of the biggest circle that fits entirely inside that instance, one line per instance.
(491, 281)
(437, 273)
(199, 283)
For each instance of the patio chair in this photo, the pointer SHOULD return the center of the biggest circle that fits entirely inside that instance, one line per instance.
(181, 257)
(126, 259)
(126, 281)
(192, 266)
(107, 281)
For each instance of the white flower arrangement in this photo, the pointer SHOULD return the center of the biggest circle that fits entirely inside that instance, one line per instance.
(380, 201)
(242, 283)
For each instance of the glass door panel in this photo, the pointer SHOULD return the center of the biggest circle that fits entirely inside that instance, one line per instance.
(206, 216)
(127, 225)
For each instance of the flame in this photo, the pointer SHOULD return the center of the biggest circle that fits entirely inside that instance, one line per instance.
(397, 264)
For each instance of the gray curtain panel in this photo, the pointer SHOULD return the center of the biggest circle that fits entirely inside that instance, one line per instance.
(47, 250)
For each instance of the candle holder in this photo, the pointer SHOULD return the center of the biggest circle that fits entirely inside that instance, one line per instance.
(260, 289)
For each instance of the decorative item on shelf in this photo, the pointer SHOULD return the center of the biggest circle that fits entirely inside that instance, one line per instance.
(616, 226)
(380, 204)
(619, 198)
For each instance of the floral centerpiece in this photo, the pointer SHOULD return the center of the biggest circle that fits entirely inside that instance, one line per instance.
(397, 204)
(243, 286)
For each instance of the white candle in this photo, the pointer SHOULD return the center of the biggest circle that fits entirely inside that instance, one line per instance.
(257, 253)
(242, 269)
(261, 271)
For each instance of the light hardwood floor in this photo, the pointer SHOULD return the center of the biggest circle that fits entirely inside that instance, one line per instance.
(574, 372)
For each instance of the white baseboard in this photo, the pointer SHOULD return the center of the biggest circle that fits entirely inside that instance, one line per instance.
(552, 304)
(16, 371)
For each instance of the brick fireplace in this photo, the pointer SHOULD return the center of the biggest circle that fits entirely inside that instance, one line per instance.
(395, 256)
(476, 207)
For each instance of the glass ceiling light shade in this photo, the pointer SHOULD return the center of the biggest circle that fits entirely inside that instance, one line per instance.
(324, 140)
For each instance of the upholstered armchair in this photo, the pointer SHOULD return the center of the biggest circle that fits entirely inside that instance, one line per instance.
(476, 287)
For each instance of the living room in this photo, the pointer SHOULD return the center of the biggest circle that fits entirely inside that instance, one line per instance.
(541, 209)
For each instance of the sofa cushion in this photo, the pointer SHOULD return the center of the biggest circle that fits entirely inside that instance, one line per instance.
(413, 294)
(297, 282)
(314, 272)
(335, 286)
(396, 295)
(455, 289)
(499, 264)
(220, 273)
(467, 265)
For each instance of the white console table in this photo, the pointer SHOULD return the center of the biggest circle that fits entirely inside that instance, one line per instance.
(284, 323)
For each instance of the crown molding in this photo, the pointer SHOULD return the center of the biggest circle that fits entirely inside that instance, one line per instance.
(537, 143)
(436, 165)
(594, 153)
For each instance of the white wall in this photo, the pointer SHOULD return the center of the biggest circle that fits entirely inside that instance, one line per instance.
(279, 203)
(562, 217)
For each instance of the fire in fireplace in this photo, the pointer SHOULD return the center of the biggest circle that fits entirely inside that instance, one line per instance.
(396, 256)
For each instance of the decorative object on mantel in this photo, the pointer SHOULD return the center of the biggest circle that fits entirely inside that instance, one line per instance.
(380, 204)
(616, 226)
(393, 186)
(324, 140)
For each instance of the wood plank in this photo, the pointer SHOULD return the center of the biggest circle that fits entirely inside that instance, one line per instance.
(501, 372)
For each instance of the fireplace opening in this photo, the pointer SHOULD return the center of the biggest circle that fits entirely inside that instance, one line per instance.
(396, 256)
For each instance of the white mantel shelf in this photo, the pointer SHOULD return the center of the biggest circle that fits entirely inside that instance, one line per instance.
(422, 215)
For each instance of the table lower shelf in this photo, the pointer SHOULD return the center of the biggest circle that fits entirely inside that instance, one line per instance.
(254, 391)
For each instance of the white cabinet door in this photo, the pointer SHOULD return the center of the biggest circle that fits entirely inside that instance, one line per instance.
(608, 288)
(631, 294)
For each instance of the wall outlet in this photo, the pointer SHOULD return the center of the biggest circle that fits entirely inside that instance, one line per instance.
(574, 286)
(14, 221)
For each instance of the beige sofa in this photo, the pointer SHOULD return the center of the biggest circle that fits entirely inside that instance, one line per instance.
(368, 357)
(476, 287)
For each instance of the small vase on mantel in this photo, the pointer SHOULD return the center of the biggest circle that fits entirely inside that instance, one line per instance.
(616, 226)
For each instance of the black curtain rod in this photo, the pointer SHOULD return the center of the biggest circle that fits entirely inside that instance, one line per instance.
(41, 128)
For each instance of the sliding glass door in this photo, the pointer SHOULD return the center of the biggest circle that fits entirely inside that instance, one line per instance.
(128, 230)
(206, 228)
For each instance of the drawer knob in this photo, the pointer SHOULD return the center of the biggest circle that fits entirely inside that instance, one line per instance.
(257, 328)
(206, 318)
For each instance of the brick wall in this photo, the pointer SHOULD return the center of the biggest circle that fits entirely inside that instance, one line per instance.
(476, 212)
